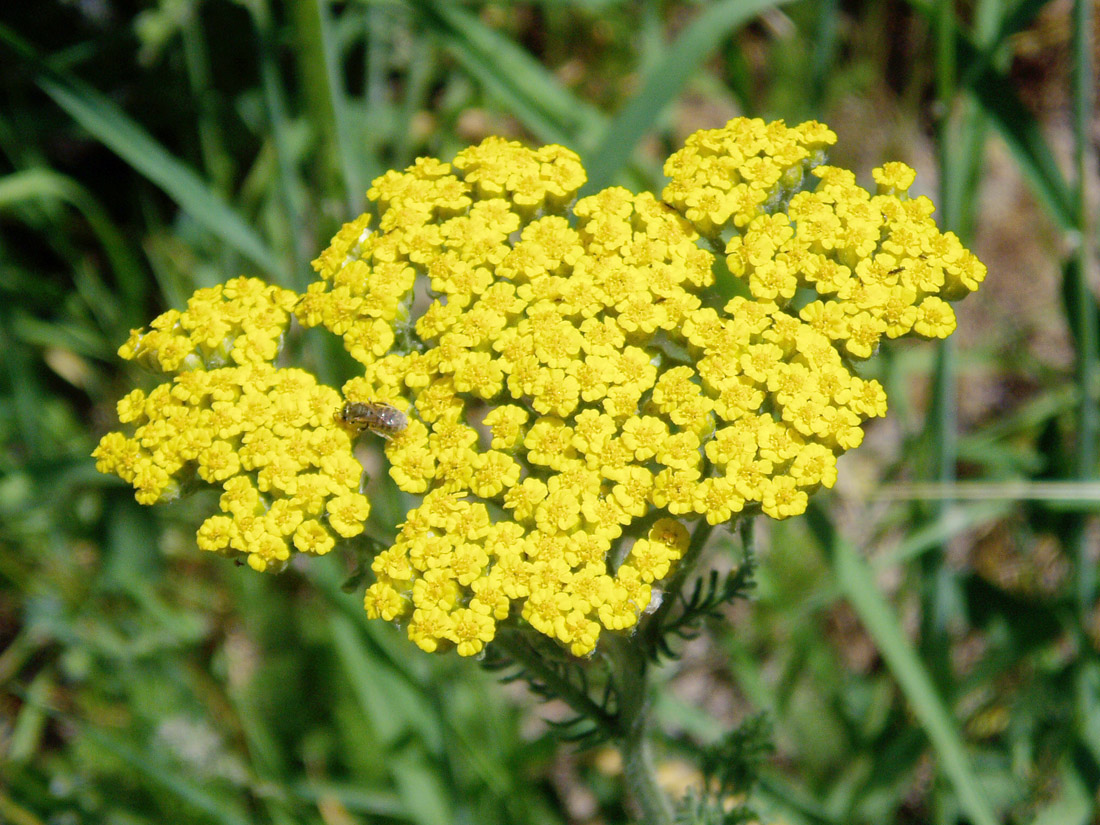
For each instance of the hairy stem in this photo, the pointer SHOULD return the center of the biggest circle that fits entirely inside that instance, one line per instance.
(629, 665)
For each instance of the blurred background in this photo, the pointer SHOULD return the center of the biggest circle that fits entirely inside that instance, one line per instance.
(925, 642)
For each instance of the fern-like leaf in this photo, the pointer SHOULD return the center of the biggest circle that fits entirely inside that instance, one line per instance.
(709, 594)
(551, 673)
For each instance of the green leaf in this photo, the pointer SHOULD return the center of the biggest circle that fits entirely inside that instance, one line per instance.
(665, 82)
(106, 122)
(109, 124)
(147, 765)
(857, 582)
(525, 87)
(997, 95)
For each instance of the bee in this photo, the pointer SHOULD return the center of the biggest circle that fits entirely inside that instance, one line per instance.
(381, 419)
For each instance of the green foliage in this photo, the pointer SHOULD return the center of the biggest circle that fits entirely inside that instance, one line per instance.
(925, 652)
(709, 594)
(731, 764)
(730, 767)
(551, 673)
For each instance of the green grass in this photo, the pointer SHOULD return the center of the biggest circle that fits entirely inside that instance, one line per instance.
(922, 660)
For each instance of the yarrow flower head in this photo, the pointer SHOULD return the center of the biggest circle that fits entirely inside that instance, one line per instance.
(575, 394)
(266, 436)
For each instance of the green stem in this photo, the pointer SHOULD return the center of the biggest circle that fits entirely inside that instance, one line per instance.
(1084, 301)
(289, 186)
(650, 631)
(629, 666)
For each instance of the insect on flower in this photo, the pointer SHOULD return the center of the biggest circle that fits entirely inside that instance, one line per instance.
(381, 419)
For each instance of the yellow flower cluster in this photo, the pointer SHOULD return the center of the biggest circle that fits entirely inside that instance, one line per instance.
(575, 392)
(572, 391)
(267, 436)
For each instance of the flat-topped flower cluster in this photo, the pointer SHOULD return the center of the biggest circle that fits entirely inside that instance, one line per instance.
(266, 436)
(577, 391)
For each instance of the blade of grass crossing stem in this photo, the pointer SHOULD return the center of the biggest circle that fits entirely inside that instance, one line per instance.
(111, 126)
(664, 82)
(527, 89)
(857, 582)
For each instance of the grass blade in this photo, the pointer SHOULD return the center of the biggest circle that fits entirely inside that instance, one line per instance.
(34, 184)
(408, 738)
(857, 583)
(997, 96)
(185, 790)
(525, 87)
(116, 130)
(376, 803)
(110, 125)
(1081, 270)
(290, 191)
(1019, 129)
(1072, 806)
(665, 82)
(322, 68)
